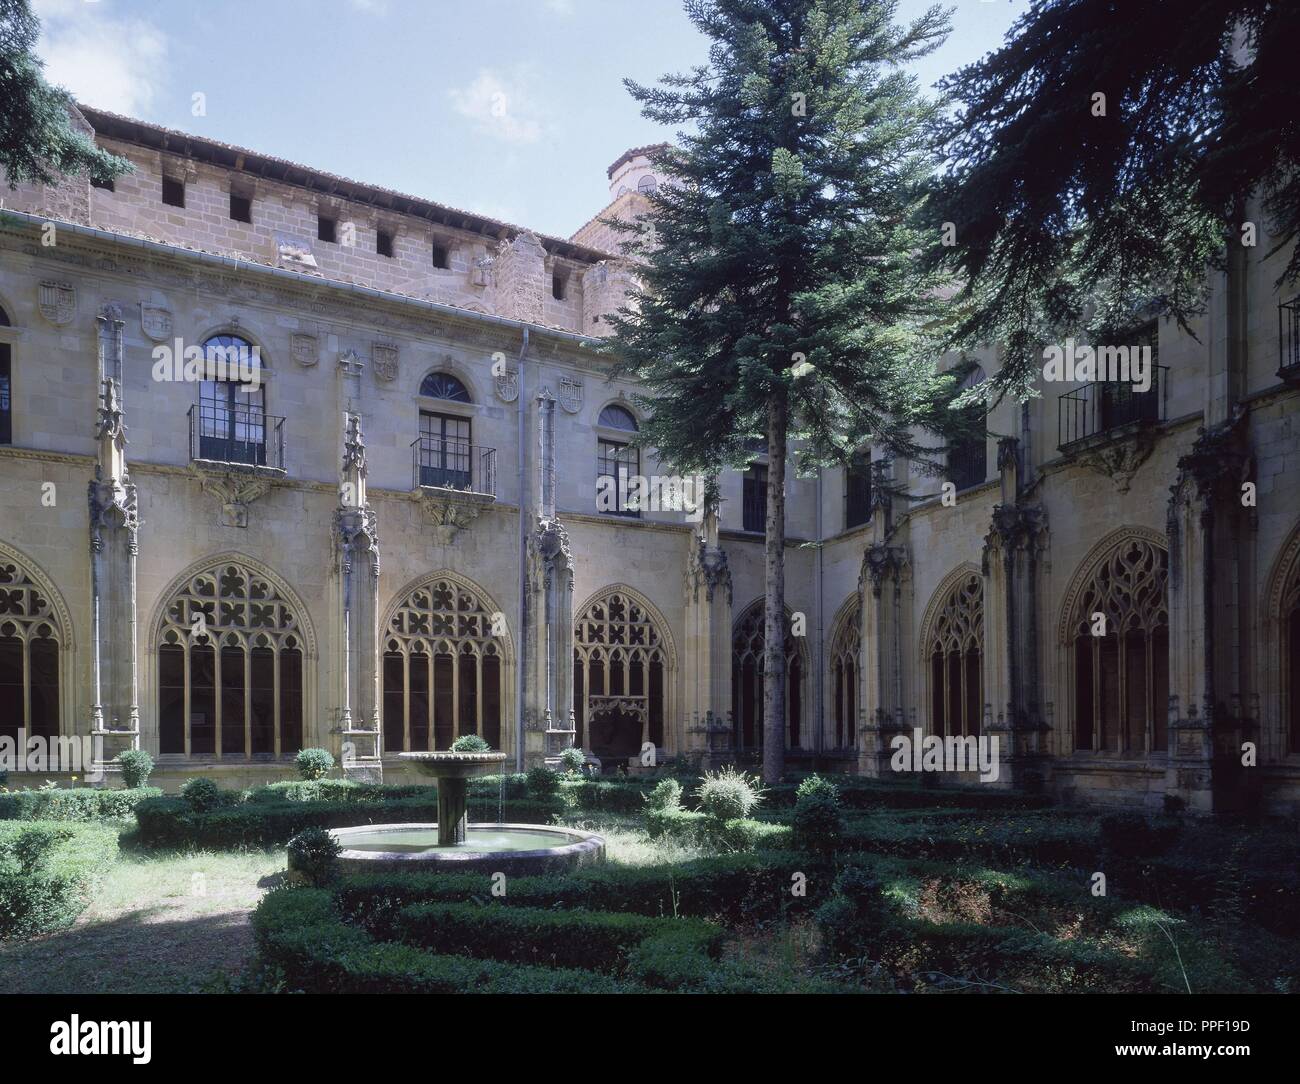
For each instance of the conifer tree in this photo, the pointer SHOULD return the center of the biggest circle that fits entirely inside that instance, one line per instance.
(781, 295)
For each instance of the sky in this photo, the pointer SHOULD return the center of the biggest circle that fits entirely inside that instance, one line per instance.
(510, 108)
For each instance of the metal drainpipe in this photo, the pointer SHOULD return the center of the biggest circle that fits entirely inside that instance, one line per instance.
(522, 474)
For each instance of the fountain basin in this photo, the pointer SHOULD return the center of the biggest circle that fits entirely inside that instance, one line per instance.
(513, 849)
(453, 771)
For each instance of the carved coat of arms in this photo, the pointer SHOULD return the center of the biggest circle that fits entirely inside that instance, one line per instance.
(58, 302)
(156, 322)
(570, 394)
(384, 358)
(507, 381)
(304, 349)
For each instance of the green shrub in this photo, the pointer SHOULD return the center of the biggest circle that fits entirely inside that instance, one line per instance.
(47, 874)
(73, 803)
(470, 743)
(728, 794)
(572, 760)
(314, 763)
(314, 853)
(542, 782)
(1131, 835)
(137, 766)
(667, 794)
(201, 795)
(818, 821)
(337, 790)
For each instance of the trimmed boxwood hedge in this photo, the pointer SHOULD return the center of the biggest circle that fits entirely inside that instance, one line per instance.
(699, 829)
(171, 822)
(73, 803)
(599, 940)
(301, 936)
(54, 885)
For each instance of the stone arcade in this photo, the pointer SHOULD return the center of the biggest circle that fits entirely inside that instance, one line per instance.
(394, 538)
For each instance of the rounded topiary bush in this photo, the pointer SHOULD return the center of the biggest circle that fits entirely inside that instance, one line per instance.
(137, 765)
(542, 782)
(729, 795)
(314, 853)
(572, 760)
(667, 795)
(201, 794)
(818, 822)
(470, 743)
(314, 763)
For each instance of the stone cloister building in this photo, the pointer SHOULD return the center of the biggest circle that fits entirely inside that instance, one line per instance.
(390, 531)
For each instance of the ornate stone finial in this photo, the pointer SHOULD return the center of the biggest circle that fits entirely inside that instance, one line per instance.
(354, 444)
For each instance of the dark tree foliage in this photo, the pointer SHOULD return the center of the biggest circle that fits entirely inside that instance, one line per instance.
(782, 297)
(37, 140)
(1067, 218)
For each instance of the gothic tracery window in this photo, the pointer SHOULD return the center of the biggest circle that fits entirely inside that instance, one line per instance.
(844, 678)
(955, 648)
(747, 644)
(1121, 652)
(30, 645)
(442, 669)
(230, 667)
(618, 651)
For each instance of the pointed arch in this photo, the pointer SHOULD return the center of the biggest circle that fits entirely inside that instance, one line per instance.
(845, 671)
(37, 650)
(951, 649)
(1280, 656)
(940, 597)
(747, 649)
(446, 664)
(1117, 667)
(231, 662)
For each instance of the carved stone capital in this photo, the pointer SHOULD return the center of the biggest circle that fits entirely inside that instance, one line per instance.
(450, 511)
(235, 488)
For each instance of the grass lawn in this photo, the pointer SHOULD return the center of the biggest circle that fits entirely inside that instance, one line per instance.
(161, 922)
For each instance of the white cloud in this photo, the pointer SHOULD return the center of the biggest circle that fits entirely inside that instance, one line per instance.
(371, 7)
(560, 7)
(111, 63)
(499, 107)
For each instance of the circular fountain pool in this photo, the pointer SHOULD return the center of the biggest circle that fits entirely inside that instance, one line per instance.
(513, 849)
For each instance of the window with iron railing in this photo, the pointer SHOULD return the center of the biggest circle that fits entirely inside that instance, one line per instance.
(616, 465)
(755, 499)
(1288, 339)
(1104, 406)
(230, 425)
(444, 451)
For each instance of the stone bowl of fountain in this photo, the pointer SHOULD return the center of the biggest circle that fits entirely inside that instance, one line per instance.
(452, 845)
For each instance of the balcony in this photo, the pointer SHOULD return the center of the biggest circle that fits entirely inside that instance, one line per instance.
(454, 465)
(1106, 410)
(236, 437)
(1288, 340)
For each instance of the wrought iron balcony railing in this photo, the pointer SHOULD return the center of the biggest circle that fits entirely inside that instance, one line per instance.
(454, 464)
(220, 433)
(1288, 340)
(1105, 406)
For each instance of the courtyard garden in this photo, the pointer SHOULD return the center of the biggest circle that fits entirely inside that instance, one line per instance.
(709, 884)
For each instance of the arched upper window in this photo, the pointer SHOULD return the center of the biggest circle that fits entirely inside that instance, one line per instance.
(443, 674)
(617, 417)
(1120, 627)
(232, 404)
(955, 647)
(4, 317)
(444, 386)
(230, 667)
(747, 640)
(647, 184)
(620, 665)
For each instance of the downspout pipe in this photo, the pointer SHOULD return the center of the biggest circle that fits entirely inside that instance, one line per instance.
(521, 459)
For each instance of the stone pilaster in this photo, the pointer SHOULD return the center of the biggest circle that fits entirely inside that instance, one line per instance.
(707, 655)
(1014, 564)
(1206, 527)
(354, 646)
(114, 530)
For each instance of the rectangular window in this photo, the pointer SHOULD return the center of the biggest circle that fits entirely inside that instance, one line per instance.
(444, 451)
(616, 465)
(325, 229)
(558, 284)
(384, 243)
(173, 192)
(6, 396)
(755, 499)
(241, 208)
(857, 494)
(440, 257)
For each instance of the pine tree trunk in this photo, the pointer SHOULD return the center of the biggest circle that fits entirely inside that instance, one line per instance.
(774, 691)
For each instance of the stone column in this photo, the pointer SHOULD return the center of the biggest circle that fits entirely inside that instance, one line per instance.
(548, 688)
(1206, 524)
(114, 528)
(1014, 563)
(707, 651)
(354, 645)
